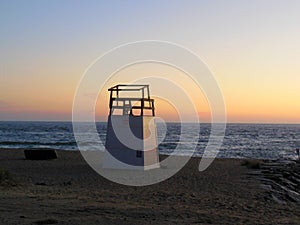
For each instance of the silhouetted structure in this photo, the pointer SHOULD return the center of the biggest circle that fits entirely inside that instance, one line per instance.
(131, 140)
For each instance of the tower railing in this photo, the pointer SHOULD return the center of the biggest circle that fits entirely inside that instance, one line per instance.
(141, 100)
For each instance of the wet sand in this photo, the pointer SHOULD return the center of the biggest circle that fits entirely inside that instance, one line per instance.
(67, 191)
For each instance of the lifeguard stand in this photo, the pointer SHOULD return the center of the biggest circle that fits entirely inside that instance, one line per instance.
(131, 139)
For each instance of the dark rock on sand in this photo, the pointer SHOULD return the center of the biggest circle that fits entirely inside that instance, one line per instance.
(40, 154)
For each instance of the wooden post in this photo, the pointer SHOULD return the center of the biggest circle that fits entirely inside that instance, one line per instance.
(110, 103)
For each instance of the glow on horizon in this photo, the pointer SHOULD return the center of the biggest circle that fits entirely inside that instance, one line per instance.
(252, 48)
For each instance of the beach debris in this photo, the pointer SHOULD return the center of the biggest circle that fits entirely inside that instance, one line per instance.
(46, 221)
(6, 178)
(40, 154)
(41, 184)
(251, 164)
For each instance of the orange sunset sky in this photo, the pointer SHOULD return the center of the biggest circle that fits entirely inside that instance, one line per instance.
(251, 47)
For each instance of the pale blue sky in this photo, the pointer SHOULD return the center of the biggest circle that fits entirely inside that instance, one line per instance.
(239, 40)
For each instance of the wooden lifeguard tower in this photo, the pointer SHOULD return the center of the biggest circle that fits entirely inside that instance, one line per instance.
(131, 139)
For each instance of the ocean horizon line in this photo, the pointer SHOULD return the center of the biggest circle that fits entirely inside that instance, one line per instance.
(177, 122)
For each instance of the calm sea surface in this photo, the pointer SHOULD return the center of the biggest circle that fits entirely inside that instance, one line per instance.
(267, 141)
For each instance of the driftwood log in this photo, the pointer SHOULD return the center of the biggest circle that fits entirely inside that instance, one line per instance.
(40, 154)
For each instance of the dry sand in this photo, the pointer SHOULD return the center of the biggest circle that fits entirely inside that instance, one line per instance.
(68, 191)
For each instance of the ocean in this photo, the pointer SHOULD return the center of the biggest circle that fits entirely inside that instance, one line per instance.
(262, 141)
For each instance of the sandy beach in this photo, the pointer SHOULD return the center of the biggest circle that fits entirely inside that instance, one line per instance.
(67, 191)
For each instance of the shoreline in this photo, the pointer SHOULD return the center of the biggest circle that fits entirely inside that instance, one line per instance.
(161, 154)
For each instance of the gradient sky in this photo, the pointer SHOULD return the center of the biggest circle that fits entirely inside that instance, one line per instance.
(252, 47)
